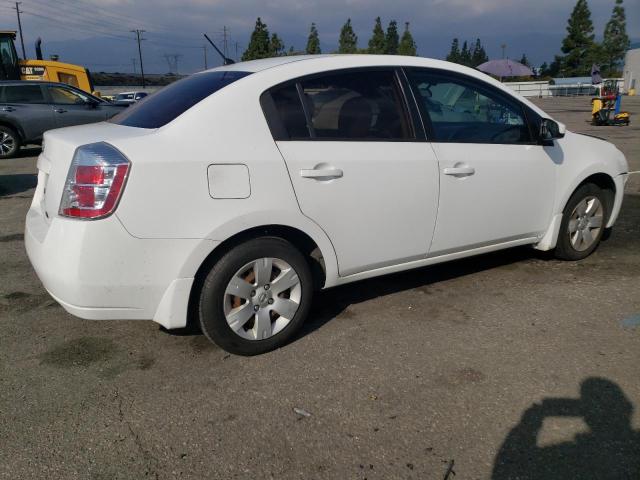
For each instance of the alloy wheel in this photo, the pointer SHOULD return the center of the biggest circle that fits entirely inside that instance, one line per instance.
(585, 223)
(262, 298)
(7, 143)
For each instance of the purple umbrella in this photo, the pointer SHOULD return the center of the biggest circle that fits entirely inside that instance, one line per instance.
(505, 68)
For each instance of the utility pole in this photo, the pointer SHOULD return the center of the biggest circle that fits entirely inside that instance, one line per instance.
(24, 54)
(138, 33)
(224, 41)
(504, 49)
(204, 48)
(236, 51)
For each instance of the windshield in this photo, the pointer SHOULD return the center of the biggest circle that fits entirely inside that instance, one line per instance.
(173, 100)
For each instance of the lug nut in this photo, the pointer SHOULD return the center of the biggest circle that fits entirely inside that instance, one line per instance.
(256, 308)
(270, 301)
(266, 287)
(253, 293)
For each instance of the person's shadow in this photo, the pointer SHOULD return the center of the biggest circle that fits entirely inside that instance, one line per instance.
(610, 450)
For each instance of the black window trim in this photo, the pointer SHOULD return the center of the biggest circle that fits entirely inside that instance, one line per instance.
(279, 132)
(493, 91)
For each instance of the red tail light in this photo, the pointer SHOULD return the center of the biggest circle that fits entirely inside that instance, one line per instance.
(95, 182)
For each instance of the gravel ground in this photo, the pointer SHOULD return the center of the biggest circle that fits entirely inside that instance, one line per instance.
(509, 365)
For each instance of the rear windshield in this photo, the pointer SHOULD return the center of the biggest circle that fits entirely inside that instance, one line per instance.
(173, 100)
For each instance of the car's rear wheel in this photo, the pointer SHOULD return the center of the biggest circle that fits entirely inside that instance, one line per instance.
(583, 223)
(9, 142)
(256, 296)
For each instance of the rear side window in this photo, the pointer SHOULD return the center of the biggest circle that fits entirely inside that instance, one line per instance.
(356, 106)
(349, 105)
(23, 94)
(173, 100)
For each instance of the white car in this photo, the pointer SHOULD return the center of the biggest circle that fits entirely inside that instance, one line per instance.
(235, 193)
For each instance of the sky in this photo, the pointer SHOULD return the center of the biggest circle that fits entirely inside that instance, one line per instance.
(97, 33)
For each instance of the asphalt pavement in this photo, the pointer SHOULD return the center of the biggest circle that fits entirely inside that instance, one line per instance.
(509, 365)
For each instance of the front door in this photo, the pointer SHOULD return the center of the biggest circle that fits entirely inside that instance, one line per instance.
(357, 168)
(496, 183)
(72, 107)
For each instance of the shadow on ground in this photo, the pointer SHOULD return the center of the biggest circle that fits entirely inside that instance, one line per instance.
(609, 450)
(17, 183)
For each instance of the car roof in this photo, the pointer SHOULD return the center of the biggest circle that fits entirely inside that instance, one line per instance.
(265, 63)
(33, 82)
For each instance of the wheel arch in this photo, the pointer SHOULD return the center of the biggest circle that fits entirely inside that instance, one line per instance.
(320, 265)
(15, 127)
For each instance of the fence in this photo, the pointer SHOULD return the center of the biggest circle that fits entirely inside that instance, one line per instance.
(544, 89)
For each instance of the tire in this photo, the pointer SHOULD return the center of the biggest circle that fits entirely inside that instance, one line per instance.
(250, 322)
(9, 142)
(581, 230)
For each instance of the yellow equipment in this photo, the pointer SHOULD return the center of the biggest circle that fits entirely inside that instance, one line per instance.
(12, 68)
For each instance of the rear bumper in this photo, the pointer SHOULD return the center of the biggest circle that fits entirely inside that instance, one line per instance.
(96, 270)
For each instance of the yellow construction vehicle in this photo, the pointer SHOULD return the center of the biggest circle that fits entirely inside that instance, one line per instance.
(12, 68)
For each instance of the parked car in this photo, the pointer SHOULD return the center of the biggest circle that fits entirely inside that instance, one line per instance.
(28, 109)
(128, 98)
(235, 193)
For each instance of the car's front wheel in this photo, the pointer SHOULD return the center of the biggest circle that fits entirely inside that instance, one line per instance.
(583, 223)
(256, 296)
(9, 142)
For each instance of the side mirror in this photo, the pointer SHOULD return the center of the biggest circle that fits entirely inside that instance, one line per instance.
(550, 130)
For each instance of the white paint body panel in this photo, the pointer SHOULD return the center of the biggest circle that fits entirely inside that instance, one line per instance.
(378, 218)
(394, 210)
(509, 196)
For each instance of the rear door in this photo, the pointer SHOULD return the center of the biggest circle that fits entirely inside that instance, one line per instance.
(497, 184)
(72, 107)
(358, 167)
(25, 105)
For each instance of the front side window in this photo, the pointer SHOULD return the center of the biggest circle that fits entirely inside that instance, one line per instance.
(347, 105)
(463, 111)
(23, 94)
(175, 99)
(65, 96)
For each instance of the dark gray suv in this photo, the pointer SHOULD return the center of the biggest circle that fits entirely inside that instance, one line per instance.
(28, 109)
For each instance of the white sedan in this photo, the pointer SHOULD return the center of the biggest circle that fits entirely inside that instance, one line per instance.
(230, 196)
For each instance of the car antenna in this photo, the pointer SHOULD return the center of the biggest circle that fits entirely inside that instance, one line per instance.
(226, 60)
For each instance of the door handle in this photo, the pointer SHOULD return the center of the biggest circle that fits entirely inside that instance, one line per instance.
(8, 109)
(459, 171)
(322, 173)
(60, 110)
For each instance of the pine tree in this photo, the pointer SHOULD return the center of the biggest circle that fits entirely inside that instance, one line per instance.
(313, 42)
(348, 42)
(391, 39)
(454, 54)
(465, 55)
(407, 45)
(376, 42)
(479, 56)
(616, 40)
(259, 45)
(524, 60)
(276, 46)
(543, 71)
(578, 46)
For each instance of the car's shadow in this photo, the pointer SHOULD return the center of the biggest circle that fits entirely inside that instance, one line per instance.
(16, 183)
(328, 304)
